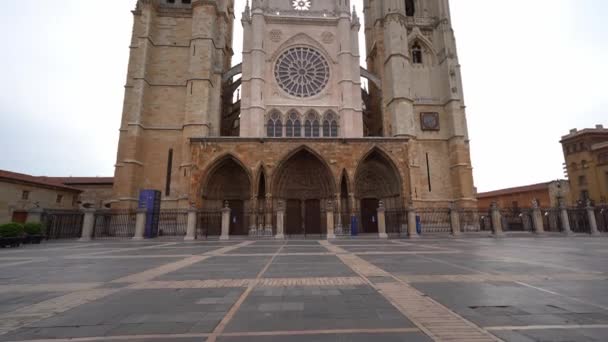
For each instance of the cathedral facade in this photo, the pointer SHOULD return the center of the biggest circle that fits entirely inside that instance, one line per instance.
(299, 126)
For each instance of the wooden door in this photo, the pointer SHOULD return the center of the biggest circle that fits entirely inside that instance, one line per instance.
(237, 218)
(293, 218)
(313, 217)
(369, 215)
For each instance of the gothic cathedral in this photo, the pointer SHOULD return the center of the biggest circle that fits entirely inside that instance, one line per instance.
(299, 126)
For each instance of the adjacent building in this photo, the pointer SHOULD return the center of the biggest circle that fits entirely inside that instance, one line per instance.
(547, 194)
(586, 164)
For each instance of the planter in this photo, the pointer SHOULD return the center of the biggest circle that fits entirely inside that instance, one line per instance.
(33, 239)
(13, 242)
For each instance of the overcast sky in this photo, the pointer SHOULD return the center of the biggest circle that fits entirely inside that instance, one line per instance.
(532, 69)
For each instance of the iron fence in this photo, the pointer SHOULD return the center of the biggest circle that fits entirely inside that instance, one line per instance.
(396, 222)
(552, 220)
(435, 220)
(579, 220)
(62, 224)
(475, 221)
(173, 222)
(209, 224)
(114, 224)
(517, 220)
(601, 216)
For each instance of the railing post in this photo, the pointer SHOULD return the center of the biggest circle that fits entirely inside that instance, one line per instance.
(537, 218)
(455, 219)
(338, 211)
(268, 209)
(382, 221)
(191, 225)
(34, 215)
(412, 232)
(225, 222)
(331, 234)
(280, 221)
(88, 224)
(565, 219)
(253, 224)
(140, 224)
(496, 220)
(592, 220)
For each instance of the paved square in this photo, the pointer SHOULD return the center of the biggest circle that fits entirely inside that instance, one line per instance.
(511, 289)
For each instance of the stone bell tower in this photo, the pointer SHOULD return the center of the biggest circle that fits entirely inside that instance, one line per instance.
(179, 51)
(411, 48)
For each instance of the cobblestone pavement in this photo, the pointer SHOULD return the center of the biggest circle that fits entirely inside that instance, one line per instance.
(511, 289)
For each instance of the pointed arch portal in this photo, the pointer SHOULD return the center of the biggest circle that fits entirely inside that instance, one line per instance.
(305, 183)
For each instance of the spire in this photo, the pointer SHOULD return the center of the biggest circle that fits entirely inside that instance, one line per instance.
(356, 21)
(247, 12)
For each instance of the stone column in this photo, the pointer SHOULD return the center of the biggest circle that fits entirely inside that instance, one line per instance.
(496, 220)
(330, 220)
(88, 224)
(537, 218)
(140, 224)
(382, 221)
(34, 215)
(191, 227)
(268, 209)
(592, 220)
(339, 229)
(280, 221)
(253, 220)
(455, 220)
(564, 216)
(411, 222)
(225, 222)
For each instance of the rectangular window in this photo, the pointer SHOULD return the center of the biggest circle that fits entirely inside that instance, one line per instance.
(584, 196)
(59, 199)
(25, 195)
(582, 180)
(515, 204)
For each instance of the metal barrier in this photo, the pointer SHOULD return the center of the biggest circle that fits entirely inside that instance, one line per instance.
(396, 222)
(209, 224)
(552, 220)
(435, 220)
(475, 221)
(579, 220)
(114, 224)
(517, 220)
(601, 216)
(62, 224)
(173, 222)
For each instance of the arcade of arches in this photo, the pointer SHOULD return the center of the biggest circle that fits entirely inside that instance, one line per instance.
(303, 182)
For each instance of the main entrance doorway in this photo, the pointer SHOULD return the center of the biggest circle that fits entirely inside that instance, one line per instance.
(237, 218)
(303, 217)
(369, 215)
(293, 218)
(312, 223)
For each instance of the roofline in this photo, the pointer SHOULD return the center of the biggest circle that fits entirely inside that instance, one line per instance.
(519, 189)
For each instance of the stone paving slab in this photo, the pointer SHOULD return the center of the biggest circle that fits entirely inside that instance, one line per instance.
(220, 267)
(333, 337)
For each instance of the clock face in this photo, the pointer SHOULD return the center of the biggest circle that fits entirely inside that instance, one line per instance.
(430, 121)
(301, 5)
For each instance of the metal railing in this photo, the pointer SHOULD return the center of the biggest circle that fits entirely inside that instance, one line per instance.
(475, 221)
(62, 224)
(396, 222)
(601, 216)
(114, 224)
(517, 220)
(579, 220)
(552, 220)
(173, 223)
(209, 224)
(435, 220)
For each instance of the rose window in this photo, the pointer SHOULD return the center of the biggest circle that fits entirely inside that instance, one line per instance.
(302, 72)
(301, 5)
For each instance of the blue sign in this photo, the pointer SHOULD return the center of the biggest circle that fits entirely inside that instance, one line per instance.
(354, 230)
(418, 225)
(150, 200)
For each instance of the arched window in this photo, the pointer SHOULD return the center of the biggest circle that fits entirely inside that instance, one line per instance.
(330, 125)
(293, 126)
(410, 8)
(416, 53)
(312, 126)
(274, 126)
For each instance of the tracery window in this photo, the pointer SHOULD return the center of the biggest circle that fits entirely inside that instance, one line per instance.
(330, 125)
(416, 53)
(302, 72)
(312, 126)
(293, 126)
(274, 126)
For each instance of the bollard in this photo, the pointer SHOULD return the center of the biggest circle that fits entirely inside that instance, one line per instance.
(88, 224)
